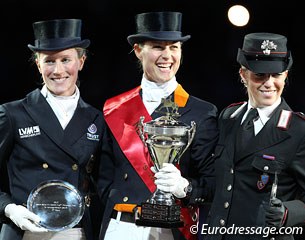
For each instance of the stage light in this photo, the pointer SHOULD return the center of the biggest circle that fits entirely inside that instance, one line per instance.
(238, 15)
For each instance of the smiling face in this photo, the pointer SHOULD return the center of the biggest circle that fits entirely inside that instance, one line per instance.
(160, 59)
(264, 89)
(59, 70)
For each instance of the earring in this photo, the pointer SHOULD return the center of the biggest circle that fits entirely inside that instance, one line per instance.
(243, 82)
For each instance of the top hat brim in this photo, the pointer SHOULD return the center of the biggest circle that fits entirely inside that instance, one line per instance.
(59, 44)
(265, 66)
(157, 36)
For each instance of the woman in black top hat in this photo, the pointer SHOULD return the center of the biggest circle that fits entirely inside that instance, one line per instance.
(260, 182)
(127, 179)
(51, 134)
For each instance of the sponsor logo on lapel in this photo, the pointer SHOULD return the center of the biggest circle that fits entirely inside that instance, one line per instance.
(29, 131)
(92, 129)
(264, 179)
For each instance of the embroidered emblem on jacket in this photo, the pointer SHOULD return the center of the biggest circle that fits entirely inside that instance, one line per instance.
(29, 131)
(92, 129)
(261, 183)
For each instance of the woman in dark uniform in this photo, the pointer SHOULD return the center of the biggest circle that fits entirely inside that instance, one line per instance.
(260, 163)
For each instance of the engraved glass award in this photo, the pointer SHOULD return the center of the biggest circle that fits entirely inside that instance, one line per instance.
(58, 203)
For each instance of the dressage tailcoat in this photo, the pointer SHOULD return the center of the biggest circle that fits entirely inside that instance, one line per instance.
(35, 148)
(122, 184)
(244, 180)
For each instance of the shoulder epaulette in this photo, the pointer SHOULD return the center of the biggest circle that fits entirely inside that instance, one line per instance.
(235, 107)
(235, 104)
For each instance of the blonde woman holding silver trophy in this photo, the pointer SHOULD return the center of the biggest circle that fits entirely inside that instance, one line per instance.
(129, 178)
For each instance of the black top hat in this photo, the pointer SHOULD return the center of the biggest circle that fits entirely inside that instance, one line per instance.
(265, 53)
(160, 26)
(58, 34)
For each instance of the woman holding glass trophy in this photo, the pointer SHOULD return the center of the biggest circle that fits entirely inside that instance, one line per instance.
(49, 143)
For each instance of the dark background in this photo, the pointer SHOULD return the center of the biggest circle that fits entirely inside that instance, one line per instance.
(209, 69)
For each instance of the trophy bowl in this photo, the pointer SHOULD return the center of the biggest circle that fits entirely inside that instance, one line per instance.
(166, 139)
(58, 204)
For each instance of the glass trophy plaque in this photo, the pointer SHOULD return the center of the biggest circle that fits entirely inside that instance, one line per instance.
(58, 204)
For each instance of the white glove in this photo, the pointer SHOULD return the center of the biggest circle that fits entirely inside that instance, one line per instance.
(23, 218)
(169, 179)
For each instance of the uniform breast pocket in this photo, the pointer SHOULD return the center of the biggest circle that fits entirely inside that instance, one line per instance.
(265, 171)
(268, 166)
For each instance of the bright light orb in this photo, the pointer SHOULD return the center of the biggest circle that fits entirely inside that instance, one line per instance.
(238, 15)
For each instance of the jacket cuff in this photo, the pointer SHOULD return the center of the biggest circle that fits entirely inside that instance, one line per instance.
(296, 210)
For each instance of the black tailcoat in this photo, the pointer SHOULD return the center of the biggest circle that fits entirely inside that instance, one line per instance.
(122, 184)
(35, 148)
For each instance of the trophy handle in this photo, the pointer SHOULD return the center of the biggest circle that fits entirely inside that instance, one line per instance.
(140, 129)
(191, 134)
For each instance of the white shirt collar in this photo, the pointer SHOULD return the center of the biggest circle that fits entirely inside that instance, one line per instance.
(265, 112)
(153, 92)
(158, 90)
(45, 91)
(63, 106)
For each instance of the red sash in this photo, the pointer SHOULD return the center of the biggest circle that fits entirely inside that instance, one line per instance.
(122, 114)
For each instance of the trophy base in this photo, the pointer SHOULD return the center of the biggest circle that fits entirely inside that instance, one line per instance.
(156, 215)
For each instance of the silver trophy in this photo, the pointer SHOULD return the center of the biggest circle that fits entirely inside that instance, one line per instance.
(166, 139)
